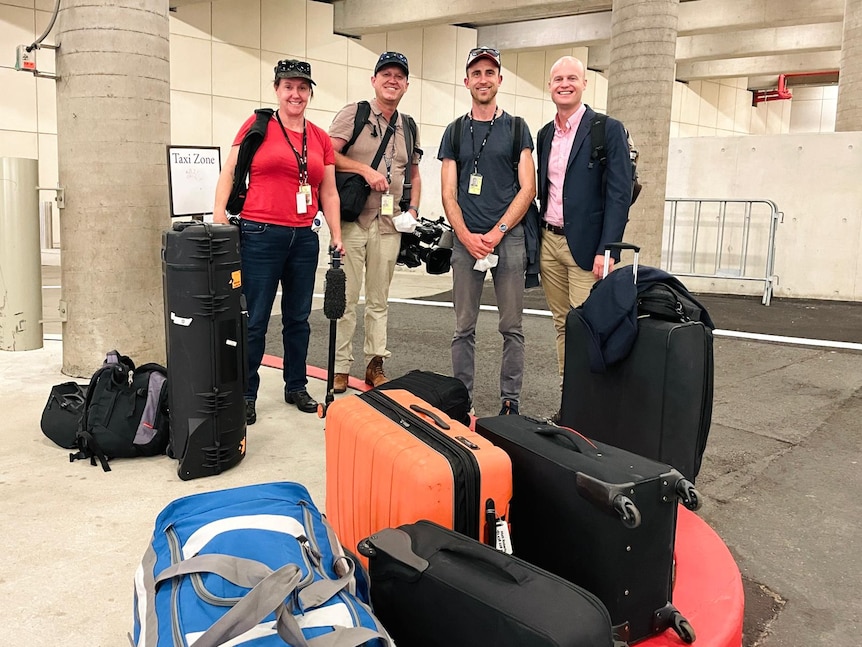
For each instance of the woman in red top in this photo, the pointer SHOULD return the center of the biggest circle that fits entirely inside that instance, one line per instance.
(292, 176)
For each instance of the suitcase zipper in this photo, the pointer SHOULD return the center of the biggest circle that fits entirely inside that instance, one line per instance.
(465, 467)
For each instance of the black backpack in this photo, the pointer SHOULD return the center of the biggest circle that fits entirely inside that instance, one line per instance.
(597, 135)
(125, 413)
(247, 148)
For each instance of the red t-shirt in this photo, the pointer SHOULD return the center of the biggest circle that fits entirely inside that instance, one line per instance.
(274, 175)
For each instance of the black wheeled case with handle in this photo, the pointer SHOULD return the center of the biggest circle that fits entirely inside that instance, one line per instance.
(206, 330)
(655, 399)
(598, 516)
(433, 587)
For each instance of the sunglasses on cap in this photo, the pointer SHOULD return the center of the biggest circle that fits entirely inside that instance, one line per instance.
(392, 58)
(291, 68)
(483, 52)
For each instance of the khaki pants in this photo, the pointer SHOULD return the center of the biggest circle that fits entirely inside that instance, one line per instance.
(566, 285)
(368, 253)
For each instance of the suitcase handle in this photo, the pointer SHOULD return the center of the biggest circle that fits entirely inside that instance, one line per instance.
(576, 441)
(437, 419)
(474, 552)
(619, 247)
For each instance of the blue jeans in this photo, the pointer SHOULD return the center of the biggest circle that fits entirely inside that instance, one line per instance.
(467, 286)
(271, 254)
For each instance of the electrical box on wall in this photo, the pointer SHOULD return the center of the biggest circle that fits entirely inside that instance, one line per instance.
(25, 61)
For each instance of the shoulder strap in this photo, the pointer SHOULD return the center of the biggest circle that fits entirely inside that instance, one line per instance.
(517, 133)
(457, 129)
(363, 112)
(597, 135)
(247, 148)
(390, 129)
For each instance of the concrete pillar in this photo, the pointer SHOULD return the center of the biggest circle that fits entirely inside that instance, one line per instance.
(849, 113)
(640, 91)
(20, 255)
(113, 124)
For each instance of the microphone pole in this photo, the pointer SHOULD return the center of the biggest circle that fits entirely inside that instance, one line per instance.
(334, 305)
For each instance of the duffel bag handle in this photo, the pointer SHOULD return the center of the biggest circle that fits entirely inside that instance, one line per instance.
(268, 591)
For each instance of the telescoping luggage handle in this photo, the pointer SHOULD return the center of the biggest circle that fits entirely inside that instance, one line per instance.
(621, 246)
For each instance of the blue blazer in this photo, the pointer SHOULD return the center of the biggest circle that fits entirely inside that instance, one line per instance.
(595, 210)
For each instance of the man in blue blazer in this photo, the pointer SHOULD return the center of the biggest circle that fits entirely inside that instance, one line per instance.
(584, 200)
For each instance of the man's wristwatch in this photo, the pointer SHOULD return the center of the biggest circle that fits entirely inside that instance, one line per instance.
(503, 227)
(414, 208)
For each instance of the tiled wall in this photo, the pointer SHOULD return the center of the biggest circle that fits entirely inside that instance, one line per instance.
(223, 52)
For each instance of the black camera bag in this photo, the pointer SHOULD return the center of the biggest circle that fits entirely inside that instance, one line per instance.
(62, 413)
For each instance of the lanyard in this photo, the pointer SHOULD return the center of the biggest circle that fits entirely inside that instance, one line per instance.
(477, 155)
(301, 160)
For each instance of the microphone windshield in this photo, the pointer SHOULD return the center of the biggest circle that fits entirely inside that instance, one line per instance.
(334, 294)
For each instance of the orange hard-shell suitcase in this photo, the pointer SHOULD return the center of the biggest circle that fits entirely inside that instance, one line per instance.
(393, 459)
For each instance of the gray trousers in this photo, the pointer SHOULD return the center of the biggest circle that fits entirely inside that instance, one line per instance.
(467, 285)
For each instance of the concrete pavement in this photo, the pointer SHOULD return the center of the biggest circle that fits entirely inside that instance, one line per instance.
(780, 476)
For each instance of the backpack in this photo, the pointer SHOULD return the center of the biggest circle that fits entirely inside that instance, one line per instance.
(597, 135)
(247, 148)
(363, 113)
(125, 413)
(258, 565)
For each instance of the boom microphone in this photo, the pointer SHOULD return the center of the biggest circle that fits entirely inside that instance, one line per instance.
(334, 292)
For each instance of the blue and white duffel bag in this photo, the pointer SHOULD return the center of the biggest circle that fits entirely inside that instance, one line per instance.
(257, 566)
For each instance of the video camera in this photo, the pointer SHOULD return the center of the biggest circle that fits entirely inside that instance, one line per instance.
(430, 243)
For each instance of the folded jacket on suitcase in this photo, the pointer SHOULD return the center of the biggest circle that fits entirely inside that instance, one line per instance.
(432, 587)
(391, 459)
(598, 516)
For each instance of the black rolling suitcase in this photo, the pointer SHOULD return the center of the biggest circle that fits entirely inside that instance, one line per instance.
(205, 325)
(657, 400)
(433, 587)
(442, 391)
(598, 516)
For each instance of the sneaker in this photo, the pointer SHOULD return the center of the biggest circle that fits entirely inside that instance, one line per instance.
(302, 400)
(374, 375)
(510, 408)
(339, 383)
(250, 413)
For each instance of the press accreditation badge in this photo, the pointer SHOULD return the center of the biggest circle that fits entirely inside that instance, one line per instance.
(301, 203)
(305, 189)
(475, 186)
(387, 204)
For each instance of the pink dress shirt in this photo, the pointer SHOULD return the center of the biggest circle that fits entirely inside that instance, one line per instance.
(558, 160)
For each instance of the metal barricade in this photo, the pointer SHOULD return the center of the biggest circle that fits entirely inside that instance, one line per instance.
(722, 239)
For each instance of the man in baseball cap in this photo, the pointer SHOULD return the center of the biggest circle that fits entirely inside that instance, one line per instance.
(483, 52)
(392, 58)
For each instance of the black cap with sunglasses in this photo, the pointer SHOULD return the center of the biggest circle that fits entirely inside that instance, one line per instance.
(291, 68)
(483, 52)
(392, 58)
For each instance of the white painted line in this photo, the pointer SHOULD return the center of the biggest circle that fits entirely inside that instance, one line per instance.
(781, 339)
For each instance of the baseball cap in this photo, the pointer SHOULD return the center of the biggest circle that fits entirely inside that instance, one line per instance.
(291, 68)
(392, 58)
(483, 52)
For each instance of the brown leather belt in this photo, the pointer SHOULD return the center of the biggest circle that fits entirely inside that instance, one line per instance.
(553, 228)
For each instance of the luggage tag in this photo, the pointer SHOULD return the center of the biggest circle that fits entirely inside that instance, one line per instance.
(305, 189)
(475, 186)
(503, 540)
(387, 204)
(301, 203)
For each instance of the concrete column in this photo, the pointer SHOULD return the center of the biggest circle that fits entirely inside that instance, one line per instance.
(640, 91)
(849, 114)
(20, 255)
(113, 124)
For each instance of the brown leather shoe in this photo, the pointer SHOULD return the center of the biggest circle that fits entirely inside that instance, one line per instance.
(339, 383)
(374, 375)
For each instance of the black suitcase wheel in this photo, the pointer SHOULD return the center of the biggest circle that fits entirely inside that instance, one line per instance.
(683, 629)
(688, 494)
(628, 511)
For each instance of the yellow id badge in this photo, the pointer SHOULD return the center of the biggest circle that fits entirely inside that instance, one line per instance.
(301, 203)
(475, 186)
(305, 189)
(387, 204)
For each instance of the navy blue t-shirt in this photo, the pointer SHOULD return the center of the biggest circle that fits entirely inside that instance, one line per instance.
(482, 212)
